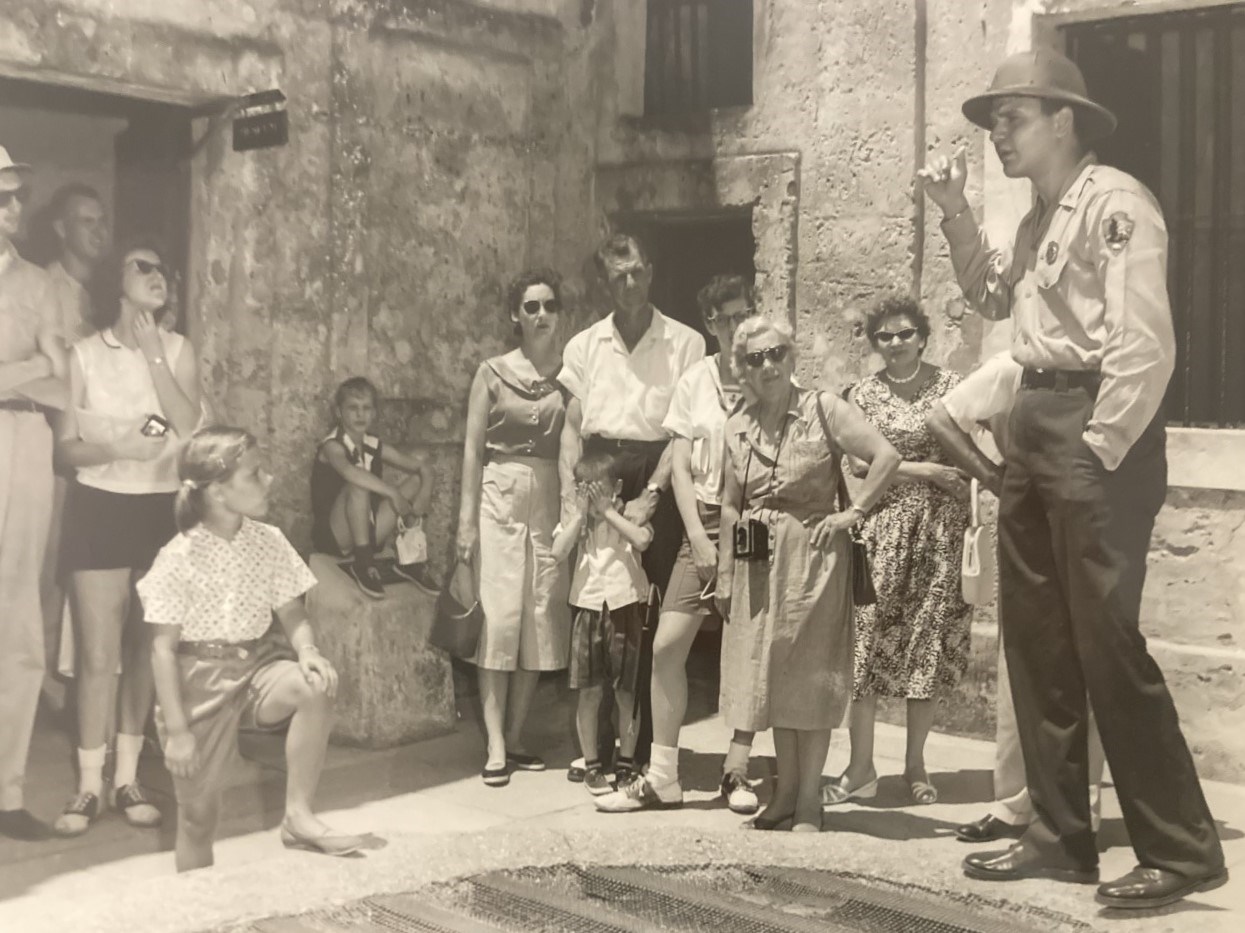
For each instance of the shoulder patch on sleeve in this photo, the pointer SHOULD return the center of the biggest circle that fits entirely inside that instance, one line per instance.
(1117, 230)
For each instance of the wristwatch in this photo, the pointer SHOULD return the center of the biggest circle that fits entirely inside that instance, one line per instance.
(860, 513)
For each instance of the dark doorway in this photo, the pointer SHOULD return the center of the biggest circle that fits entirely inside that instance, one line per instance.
(1177, 84)
(135, 153)
(687, 251)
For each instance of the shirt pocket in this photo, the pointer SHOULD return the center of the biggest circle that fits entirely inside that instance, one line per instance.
(1052, 259)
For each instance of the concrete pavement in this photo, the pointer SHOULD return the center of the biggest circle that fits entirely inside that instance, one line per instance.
(440, 821)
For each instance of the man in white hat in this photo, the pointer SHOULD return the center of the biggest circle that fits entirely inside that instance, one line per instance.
(32, 371)
(1085, 285)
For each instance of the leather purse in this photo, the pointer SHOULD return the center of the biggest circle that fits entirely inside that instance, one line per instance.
(977, 563)
(459, 617)
(863, 592)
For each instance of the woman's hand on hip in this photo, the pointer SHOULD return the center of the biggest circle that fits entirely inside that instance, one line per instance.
(704, 556)
(823, 531)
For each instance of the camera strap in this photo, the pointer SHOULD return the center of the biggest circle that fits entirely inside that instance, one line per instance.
(782, 436)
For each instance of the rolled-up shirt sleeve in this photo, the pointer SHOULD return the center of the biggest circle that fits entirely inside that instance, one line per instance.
(574, 360)
(983, 273)
(1130, 239)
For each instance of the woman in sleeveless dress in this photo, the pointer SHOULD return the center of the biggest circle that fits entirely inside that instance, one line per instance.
(507, 515)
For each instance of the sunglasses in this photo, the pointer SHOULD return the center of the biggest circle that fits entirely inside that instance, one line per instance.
(552, 305)
(737, 318)
(885, 336)
(146, 268)
(17, 194)
(756, 359)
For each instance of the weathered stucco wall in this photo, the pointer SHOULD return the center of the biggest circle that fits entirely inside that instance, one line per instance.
(432, 155)
(833, 85)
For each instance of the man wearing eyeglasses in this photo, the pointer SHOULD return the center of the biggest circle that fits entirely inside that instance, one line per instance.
(32, 370)
(621, 373)
(1084, 478)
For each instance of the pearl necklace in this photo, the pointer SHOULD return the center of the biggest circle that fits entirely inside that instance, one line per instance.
(906, 379)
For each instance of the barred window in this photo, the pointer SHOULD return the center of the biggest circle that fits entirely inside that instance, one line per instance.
(698, 55)
(1177, 83)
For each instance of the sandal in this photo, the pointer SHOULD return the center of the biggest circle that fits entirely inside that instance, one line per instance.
(132, 801)
(327, 843)
(837, 791)
(78, 815)
(923, 792)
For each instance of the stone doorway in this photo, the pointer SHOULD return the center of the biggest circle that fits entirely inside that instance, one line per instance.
(687, 251)
(134, 152)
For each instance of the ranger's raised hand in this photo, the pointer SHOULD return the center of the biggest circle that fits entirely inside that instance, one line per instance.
(944, 178)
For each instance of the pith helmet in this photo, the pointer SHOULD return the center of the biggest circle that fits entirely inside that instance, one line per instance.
(1046, 74)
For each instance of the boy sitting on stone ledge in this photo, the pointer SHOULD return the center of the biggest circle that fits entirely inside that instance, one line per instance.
(355, 510)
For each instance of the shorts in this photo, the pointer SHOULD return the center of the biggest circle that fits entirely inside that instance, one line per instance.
(683, 592)
(220, 696)
(323, 541)
(111, 530)
(605, 647)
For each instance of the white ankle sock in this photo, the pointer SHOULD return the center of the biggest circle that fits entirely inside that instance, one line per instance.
(91, 770)
(663, 764)
(129, 747)
(737, 758)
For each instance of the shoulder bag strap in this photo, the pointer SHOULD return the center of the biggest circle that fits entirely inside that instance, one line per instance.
(845, 501)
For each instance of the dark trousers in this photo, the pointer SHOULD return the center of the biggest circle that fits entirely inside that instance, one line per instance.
(1073, 542)
(636, 462)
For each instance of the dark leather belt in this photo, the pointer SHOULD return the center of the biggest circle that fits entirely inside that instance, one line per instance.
(20, 404)
(1061, 380)
(597, 442)
(239, 650)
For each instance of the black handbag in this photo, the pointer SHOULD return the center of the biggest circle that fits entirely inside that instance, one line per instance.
(459, 617)
(863, 593)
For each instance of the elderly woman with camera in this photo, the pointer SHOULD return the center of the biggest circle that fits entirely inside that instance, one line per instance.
(784, 580)
(133, 395)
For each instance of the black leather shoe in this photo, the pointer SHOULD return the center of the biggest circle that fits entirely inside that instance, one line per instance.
(987, 829)
(1021, 862)
(1147, 888)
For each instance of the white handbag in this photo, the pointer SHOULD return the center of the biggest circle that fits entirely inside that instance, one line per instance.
(977, 563)
(411, 543)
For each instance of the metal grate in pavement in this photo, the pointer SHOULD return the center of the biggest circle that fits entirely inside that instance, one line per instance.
(681, 899)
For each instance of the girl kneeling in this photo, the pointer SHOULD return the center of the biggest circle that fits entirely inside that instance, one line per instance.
(211, 593)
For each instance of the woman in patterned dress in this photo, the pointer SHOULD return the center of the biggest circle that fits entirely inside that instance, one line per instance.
(507, 514)
(914, 641)
(786, 651)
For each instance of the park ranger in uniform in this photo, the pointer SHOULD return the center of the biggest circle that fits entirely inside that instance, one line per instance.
(1085, 284)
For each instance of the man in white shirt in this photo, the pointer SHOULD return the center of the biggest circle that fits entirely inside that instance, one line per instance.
(984, 400)
(81, 228)
(32, 372)
(80, 224)
(621, 373)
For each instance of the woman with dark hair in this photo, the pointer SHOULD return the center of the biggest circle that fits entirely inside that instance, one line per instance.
(507, 515)
(914, 641)
(133, 395)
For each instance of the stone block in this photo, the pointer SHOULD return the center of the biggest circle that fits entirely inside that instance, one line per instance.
(393, 686)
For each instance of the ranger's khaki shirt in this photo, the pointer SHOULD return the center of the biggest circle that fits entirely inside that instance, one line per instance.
(1087, 293)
